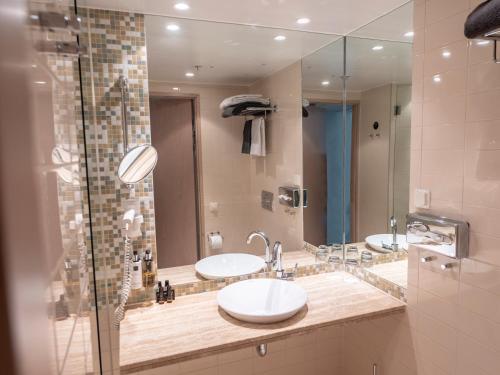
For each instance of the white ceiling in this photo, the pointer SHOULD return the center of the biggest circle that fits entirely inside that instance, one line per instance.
(366, 68)
(229, 54)
(327, 16)
(392, 26)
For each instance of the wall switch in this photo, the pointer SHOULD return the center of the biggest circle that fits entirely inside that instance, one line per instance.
(422, 198)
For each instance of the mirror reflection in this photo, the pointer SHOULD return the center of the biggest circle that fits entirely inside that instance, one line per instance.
(226, 119)
(137, 164)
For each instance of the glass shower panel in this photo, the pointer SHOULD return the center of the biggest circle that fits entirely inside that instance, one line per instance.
(70, 297)
(379, 84)
(325, 113)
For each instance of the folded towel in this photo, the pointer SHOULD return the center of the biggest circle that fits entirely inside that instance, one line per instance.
(238, 99)
(247, 137)
(238, 108)
(258, 146)
(484, 19)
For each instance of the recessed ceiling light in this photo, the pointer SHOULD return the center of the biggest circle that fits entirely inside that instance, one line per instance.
(409, 34)
(303, 21)
(173, 27)
(40, 82)
(175, 88)
(325, 83)
(436, 78)
(446, 54)
(181, 6)
(280, 38)
(482, 42)
(378, 48)
(189, 74)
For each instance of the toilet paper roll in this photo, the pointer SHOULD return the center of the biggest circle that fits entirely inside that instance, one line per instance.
(215, 241)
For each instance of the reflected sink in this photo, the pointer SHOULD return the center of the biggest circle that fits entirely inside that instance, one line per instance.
(375, 242)
(229, 265)
(262, 300)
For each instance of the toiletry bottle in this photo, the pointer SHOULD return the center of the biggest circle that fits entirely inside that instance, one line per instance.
(166, 291)
(148, 277)
(136, 279)
(159, 294)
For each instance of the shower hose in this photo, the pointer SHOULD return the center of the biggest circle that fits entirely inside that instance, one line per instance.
(126, 282)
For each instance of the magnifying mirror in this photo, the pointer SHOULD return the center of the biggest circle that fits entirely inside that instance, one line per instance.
(137, 164)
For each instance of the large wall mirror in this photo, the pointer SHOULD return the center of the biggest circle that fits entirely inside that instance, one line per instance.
(245, 119)
(213, 184)
(356, 143)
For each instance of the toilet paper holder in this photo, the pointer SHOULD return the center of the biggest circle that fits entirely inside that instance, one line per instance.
(214, 234)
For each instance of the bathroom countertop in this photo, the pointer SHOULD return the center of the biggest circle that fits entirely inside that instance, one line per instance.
(194, 326)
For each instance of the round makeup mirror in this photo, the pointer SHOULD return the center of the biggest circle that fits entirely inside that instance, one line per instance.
(137, 164)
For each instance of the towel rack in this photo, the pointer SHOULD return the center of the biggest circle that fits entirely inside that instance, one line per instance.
(252, 110)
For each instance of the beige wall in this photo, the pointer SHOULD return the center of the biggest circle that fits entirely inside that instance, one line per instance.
(453, 321)
(373, 161)
(283, 164)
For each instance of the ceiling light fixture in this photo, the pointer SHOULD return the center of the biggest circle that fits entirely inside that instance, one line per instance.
(40, 82)
(175, 88)
(189, 74)
(280, 38)
(446, 54)
(173, 27)
(436, 78)
(409, 34)
(303, 21)
(181, 6)
(378, 48)
(325, 83)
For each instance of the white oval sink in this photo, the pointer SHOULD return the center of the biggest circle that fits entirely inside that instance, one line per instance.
(262, 300)
(229, 265)
(375, 242)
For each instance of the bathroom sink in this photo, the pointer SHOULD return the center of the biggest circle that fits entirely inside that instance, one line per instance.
(229, 265)
(375, 242)
(262, 300)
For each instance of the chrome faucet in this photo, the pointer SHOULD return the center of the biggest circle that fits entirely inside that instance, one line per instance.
(260, 234)
(394, 230)
(278, 258)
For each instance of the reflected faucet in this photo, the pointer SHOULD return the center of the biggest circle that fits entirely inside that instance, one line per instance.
(260, 234)
(278, 257)
(394, 230)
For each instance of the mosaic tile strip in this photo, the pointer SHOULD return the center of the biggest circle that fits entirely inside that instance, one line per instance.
(116, 46)
(385, 285)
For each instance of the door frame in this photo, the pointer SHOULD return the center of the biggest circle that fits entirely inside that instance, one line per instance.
(197, 154)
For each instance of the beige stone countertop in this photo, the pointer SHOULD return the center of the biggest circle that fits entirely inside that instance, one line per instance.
(194, 326)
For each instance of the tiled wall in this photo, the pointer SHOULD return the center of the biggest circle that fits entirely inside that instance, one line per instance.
(453, 321)
(317, 352)
(117, 46)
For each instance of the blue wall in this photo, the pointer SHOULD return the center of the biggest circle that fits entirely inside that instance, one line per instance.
(334, 145)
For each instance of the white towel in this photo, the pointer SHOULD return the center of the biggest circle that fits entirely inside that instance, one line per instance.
(237, 99)
(258, 146)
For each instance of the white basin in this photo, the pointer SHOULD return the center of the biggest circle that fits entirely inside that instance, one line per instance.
(229, 265)
(262, 300)
(375, 242)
